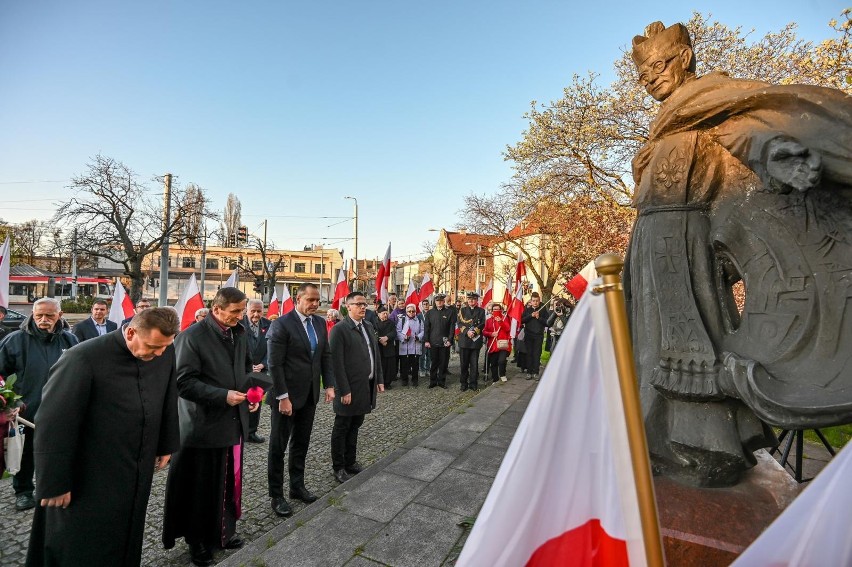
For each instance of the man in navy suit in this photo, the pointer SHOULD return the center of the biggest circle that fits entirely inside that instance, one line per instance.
(298, 354)
(96, 325)
(256, 326)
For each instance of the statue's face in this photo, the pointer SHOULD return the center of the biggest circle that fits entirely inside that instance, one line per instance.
(663, 72)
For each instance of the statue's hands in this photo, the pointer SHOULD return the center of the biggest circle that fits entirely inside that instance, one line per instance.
(790, 165)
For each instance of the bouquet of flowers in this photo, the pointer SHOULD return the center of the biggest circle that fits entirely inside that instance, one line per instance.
(9, 399)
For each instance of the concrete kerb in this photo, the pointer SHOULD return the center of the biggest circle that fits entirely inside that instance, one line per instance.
(253, 551)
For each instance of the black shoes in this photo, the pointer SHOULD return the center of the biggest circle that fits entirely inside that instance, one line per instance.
(342, 476)
(463, 388)
(200, 554)
(281, 507)
(432, 386)
(303, 494)
(24, 501)
(444, 386)
(255, 438)
(235, 542)
(354, 469)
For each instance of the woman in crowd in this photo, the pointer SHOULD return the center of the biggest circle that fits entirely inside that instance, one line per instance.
(386, 332)
(409, 333)
(497, 332)
(332, 316)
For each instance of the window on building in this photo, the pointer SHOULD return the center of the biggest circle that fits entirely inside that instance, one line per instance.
(482, 262)
(232, 265)
(319, 268)
(300, 267)
(256, 265)
(188, 262)
(212, 264)
(482, 277)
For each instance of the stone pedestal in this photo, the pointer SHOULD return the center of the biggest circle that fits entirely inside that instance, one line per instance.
(710, 527)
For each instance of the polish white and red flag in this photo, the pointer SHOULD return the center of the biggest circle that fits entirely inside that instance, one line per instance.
(814, 529)
(188, 303)
(5, 262)
(287, 304)
(515, 310)
(121, 307)
(488, 294)
(383, 277)
(411, 296)
(576, 286)
(274, 305)
(233, 280)
(341, 290)
(427, 288)
(565, 493)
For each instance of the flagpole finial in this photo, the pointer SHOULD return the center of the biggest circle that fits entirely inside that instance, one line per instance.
(609, 264)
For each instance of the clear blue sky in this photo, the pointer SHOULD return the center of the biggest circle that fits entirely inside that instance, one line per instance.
(294, 105)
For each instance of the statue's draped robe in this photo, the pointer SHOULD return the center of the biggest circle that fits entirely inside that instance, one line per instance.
(706, 147)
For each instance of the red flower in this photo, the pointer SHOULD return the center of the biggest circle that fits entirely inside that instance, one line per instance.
(254, 394)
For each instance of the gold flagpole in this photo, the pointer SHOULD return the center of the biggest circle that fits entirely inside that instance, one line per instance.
(609, 266)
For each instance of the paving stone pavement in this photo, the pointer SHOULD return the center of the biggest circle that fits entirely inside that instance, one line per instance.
(402, 414)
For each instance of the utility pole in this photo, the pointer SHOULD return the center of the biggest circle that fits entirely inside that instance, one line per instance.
(164, 251)
(355, 265)
(74, 265)
(203, 258)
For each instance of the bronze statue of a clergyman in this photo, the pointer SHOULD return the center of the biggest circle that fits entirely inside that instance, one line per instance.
(739, 180)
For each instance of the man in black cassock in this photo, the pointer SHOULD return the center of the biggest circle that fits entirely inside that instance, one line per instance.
(204, 488)
(107, 419)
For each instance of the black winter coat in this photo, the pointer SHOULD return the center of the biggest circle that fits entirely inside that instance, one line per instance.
(30, 353)
(351, 361)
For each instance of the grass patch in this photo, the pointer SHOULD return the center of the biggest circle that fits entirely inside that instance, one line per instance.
(335, 500)
(270, 543)
(837, 436)
(359, 550)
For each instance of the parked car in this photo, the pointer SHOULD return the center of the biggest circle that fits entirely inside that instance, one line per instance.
(13, 320)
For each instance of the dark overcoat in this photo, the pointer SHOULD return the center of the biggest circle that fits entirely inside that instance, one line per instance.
(440, 325)
(105, 415)
(351, 361)
(208, 366)
(294, 371)
(470, 318)
(257, 345)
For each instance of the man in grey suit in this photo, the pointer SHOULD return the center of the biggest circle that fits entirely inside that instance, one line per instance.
(298, 354)
(357, 376)
(96, 325)
(257, 326)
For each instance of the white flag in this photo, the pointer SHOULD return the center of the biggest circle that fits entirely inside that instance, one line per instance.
(814, 530)
(121, 307)
(233, 280)
(565, 493)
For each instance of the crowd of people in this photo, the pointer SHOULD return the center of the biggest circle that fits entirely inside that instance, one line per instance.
(113, 403)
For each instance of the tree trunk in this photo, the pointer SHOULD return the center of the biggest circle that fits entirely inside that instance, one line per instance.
(137, 279)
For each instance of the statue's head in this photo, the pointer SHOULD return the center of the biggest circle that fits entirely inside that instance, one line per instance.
(664, 58)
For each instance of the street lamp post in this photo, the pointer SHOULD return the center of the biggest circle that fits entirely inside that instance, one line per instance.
(476, 276)
(355, 264)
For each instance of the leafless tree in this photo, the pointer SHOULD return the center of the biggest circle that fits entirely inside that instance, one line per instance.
(118, 219)
(232, 220)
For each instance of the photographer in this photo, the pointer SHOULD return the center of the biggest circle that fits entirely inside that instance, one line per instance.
(558, 320)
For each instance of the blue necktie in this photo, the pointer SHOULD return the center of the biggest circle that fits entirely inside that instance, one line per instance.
(312, 334)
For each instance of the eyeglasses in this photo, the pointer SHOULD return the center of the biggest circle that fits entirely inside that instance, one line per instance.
(358, 304)
(657, 67)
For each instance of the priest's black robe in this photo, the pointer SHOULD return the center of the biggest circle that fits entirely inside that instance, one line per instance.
(105, 416)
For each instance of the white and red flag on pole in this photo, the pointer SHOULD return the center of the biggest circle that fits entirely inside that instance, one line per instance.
(274, 305)
(814, 529)
(383, 277)
(488, 294)
(427, 288)
(516, 305)
(342, 288)
(287, 304)
(188, 303)
(565, 493)
(411, 295)
(577, 285)
(121, 307)
(5, 262)
(233, 279)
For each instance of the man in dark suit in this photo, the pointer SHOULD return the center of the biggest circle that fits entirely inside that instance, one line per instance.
(298, 355)
(471, 321)
(357, 378)
(203, 488)
(96, 325)
(256, 326)
(440, 324)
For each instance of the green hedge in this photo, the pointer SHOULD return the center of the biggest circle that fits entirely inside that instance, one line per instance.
(83, 304)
